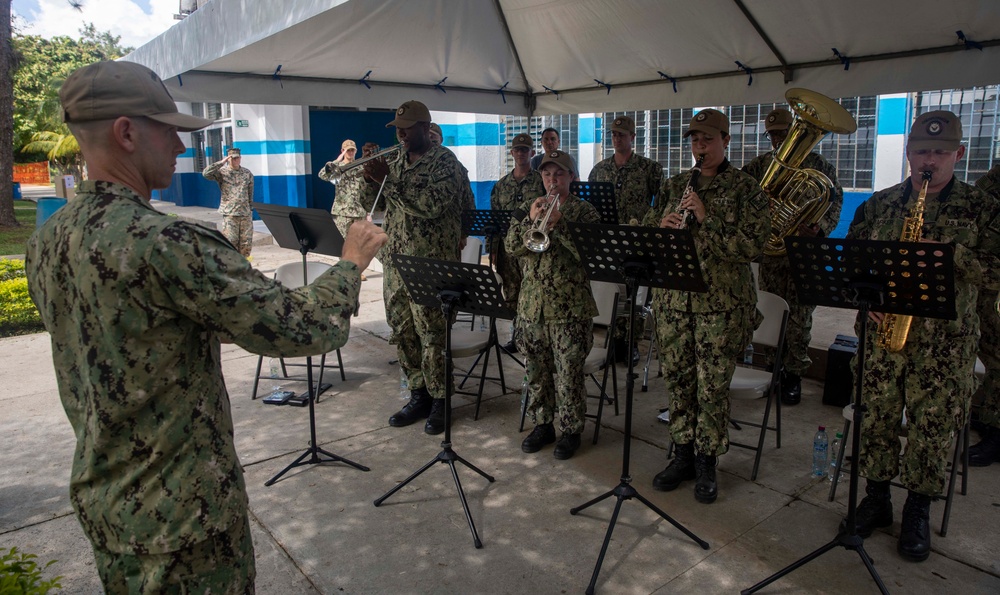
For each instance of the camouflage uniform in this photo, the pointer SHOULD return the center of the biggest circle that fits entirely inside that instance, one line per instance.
(700, 335)
(348, 205)
(932, 376)
(989, 326)
(136, 303)
(555, 312)
(423, 217)
(236, 186)
(509, 194)
(775, 277)
(636, 183)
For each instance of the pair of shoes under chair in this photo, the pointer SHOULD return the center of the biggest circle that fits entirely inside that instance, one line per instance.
(421, 406)
(687, 466)
(545, 434)
(875, 511)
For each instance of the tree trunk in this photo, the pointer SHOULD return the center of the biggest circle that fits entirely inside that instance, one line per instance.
(6, 119)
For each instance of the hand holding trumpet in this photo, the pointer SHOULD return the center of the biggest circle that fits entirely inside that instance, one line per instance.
(541, 205)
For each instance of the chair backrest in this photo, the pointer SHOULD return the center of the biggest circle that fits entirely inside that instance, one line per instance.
(771, 332)
(290, 274)
(473, 251)
(606, 296)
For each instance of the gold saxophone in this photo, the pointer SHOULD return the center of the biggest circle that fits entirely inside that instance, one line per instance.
(894, 328)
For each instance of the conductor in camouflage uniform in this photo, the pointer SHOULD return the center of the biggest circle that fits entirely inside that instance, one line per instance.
(774, 273)
(236, 184)
(136, 304)
(555, 311)
(425, 192)
(932, 376)
(636, 180)
(987, 450)
(516, 190)
(700, 335)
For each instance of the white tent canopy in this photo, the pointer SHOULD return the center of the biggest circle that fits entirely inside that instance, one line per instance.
(570, 56)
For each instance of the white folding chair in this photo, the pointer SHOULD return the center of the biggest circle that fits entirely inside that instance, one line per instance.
(290, 275)
(471, 254)
(473, 343)
(602, 357)
(749, 383)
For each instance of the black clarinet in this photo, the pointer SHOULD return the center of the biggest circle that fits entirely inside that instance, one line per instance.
(687, 215)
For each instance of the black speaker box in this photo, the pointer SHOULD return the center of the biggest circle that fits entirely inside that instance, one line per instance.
(839, 387)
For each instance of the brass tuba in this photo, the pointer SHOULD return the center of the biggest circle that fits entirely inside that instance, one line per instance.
(801, 195)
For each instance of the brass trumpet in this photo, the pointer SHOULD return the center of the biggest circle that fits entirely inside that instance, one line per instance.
(536, 238)
(685, 214)
(339, 171)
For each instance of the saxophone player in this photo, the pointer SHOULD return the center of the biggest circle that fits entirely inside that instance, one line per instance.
(700, 335)
(774, 274)
(932, 375)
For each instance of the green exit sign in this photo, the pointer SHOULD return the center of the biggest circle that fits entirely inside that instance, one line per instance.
(242, 123)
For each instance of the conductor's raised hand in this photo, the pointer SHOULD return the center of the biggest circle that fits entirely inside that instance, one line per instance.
(362, 243)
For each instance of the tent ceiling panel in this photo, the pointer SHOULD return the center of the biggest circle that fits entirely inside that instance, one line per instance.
(230, 49)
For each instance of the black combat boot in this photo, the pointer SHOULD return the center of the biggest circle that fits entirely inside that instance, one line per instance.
(791, 389)
(705, 488)
(680, 469)
(542, 434)
(986, 451)
(875, 509)
(567, 445)
(435, 421)
(418, 407)
(915, 528)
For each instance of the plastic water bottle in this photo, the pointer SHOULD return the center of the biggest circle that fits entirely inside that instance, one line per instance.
(820, 452)
(748, 355)
(838, 441)
(404, 385)
(275, 367)
(524, 392)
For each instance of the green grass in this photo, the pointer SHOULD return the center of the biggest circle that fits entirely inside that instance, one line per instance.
(13, 239)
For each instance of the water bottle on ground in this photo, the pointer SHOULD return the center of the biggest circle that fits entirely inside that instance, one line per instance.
(404, 385)
(275, 367)
(838, 442)
(820, 452)
(748, 355)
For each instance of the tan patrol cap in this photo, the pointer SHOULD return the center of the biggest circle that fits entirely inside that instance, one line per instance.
(348, 144)
(409, 114)
(108, 90)
(936, 130)
(711, 121)
(563, 160)
(522, 140)
(623, 124)
(778, 119)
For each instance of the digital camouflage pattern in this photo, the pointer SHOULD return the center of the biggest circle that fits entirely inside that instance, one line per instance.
(509, 194)
(348, 203)
(932, 377)
(555, 315)
(137, 303)
(989, 327)
(424, 203)
(701, 334)
(236, 187)
(774, 274)
(636, 183)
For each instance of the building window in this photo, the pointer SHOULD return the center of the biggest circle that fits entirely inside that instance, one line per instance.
(198, 146)
(979, 110)
(567, 125)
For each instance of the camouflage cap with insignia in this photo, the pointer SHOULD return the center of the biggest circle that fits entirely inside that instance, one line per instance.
(778, 119)
(409, 114)
(937, 130)
(623, 124)
(710, 121)
(109, 90)
(563, 160)
(348, 144)
(522, 140)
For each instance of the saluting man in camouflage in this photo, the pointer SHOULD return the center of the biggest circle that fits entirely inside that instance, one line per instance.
(774, 274)
(137, 304)
(521, 186)
(236, 185)
(987, 450)
(700, 335)
(425, 193)
(932, 377)
(637, 181)
(555, 311)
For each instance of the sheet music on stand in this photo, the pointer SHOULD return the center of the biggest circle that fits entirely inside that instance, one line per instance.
(602, 196)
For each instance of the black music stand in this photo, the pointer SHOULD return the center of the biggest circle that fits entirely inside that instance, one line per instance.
(305, 230)
(648, 256)
(452, 286)
(908, 278)
(601, 195)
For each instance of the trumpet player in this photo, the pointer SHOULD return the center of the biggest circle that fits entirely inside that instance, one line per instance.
(555, 309)
(701, 335)
(932, 375)
(774, 274)
(424, 192)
